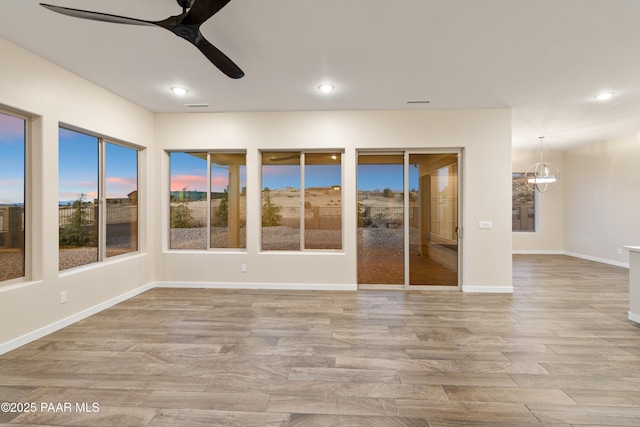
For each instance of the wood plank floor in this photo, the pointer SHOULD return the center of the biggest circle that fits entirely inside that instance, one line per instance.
(558, 352)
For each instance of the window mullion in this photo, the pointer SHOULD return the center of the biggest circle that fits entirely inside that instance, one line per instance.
(208, 210)
(302, 207)
(102, 206)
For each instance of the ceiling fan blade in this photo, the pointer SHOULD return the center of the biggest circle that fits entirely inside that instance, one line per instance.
(186, 25)
(217, 58)
(96, 16)
(201, 10)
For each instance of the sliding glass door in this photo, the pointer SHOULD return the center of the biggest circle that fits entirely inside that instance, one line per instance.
(408, 219)
(381, 219)
(433, 226)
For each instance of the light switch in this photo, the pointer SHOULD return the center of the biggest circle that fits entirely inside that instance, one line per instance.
(485, 225)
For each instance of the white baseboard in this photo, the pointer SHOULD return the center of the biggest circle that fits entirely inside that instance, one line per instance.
(596, 259)
(572, 254)
(306, 286)
(277, 286)
(55, 326)
(488, 289)
(634, 317)
(528, 252)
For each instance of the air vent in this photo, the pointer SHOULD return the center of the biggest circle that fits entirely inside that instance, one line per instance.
(196, 105)
(418, 102)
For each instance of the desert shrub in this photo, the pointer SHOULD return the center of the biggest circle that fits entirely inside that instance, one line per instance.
(77, 233)
(222, 214)
(181, 214)
(270, 211)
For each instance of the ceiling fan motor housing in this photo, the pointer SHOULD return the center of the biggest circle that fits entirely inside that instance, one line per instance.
(185, 4)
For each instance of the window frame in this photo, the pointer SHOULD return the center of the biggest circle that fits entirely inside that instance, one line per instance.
(208, 224)
(303, 189)
(102, 141)
(27, 196)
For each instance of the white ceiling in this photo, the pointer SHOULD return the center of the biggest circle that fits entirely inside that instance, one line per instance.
(545, 59)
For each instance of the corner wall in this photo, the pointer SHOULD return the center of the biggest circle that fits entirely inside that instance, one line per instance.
(51, 96)
(602, 200)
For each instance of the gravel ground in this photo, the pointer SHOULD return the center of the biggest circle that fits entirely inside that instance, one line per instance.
(12, 265)
(273, 238)
(381, 241)
(12, 262)
(75, 257)
(374, 241)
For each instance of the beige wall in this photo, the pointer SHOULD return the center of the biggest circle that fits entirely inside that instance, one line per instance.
(602, 199)
(52, 95)
(548, 236)
(593, 213)
(486, 196)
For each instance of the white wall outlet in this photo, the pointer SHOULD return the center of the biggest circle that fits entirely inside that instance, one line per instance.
(243, 268)
(485, 225)
(63, 297)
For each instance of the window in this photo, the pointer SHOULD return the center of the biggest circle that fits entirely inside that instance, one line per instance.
(121, 194)
(523, 209)
(188, 200)
(322, 201)
(12, 196)
(97, 198)
(207, 200)
(286, 210)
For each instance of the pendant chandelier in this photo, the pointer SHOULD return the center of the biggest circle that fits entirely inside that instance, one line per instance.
(542, 176)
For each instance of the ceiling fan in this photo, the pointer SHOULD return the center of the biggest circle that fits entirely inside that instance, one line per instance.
(186, 25)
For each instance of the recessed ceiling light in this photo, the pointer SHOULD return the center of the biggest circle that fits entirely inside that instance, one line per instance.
(326, 87)
(179, 90)
(604, 96)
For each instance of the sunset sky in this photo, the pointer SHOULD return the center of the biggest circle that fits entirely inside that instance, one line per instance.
(78, 169)
(11, 160)
(189, 171)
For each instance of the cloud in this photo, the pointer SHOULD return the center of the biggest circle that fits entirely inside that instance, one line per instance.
(219, 182)
(190, 182)
(122, 181)
(73, 195)
(118, 187)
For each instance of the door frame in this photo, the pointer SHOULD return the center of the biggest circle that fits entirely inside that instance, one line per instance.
(406, 152)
